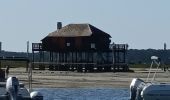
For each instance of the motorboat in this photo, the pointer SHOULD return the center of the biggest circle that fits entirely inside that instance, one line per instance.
(149, 90)
(13, 90)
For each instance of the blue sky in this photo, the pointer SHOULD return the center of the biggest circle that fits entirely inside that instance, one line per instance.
(142, 24)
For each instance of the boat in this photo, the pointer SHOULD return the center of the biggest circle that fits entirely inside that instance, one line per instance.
(13, 90)
(149, 90)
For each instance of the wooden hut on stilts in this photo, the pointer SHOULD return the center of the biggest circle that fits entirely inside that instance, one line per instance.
(77, 47)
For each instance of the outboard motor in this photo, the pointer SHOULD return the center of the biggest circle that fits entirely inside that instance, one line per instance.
(35, 95)
(134, 88)
(12, 87)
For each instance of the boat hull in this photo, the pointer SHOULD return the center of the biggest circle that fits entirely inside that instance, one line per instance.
(156, 92)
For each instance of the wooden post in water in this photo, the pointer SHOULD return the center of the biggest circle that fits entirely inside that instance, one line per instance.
(30, 77)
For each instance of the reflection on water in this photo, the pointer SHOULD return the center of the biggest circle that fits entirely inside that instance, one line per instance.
(84, 93)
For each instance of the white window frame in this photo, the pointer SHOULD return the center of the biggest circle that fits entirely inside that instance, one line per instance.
(68, 44)
(93, 46)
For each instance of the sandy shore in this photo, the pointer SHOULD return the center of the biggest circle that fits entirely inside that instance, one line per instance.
(58, 79)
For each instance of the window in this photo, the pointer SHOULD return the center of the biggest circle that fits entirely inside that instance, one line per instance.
(92, 45)
(68, 44)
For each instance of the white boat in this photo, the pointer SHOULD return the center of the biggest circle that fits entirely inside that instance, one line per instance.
(145, 90)
(13, 90)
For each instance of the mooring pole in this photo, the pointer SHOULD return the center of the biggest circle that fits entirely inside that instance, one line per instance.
(30, 77)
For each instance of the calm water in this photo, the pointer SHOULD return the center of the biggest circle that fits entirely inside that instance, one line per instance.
(85, 93)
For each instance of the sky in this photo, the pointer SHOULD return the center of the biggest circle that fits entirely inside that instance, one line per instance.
(142, 24)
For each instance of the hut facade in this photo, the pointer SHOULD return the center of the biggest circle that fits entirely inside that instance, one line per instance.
(76, 37)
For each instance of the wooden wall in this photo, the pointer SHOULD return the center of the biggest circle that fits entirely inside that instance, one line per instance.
(76, 43)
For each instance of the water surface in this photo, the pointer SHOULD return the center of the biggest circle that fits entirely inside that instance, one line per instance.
(85, 93)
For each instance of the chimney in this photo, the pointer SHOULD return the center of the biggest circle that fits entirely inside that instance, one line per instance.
(59, 25)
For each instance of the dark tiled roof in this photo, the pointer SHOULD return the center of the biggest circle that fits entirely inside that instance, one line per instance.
(76, 30)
